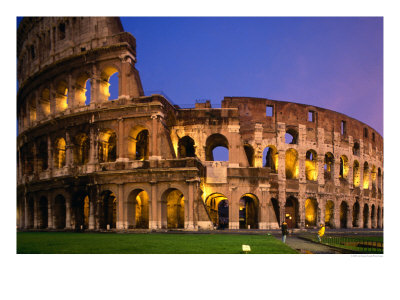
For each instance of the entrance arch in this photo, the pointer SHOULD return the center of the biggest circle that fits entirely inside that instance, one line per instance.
(173, 209)
(356, 214)
(311, 209)
(343, 214)
(107, 210)
(138, 209)
(218, 209)
(80, 211)
(59, 212)
(248, 212)
(43, 212)
(329, 215)
(291, 212)
(186, 147)
(365, 216)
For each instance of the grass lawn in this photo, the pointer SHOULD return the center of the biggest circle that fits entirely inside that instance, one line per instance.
(145, 243)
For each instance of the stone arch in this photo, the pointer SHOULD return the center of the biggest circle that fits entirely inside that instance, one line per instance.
(292, 164)
(343, 214)
(59, 153)
(344, 167)
(45, 102)
(43, 212)
(138, 143)
(366, 176)
(42, 155)
(218, 209)
(81, 149)
(356, 214)
(138, 209)
(291, 136)
(373, 177)
(173, 209)
(105, 76)
(186, 147)
(270, 158)
(365, 215)
(311, 212)
(59, 212)
(311, 165)
(61, 95)
(329, 214)
(356, 173)
(249, 150)
(213, 141)
(80, 206)
(292, 212)
(82, 81)
(107, 210)
(356, 148)
(32, 109)
(248, 211)
(328, 166)
(107, 146)
(275, 205)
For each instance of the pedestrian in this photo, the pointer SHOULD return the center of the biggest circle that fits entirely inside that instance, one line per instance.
(285, 231)
(321, 232)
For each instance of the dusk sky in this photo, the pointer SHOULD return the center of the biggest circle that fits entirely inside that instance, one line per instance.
(334, 63)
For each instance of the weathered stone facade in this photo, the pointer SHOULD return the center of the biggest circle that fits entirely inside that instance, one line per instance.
(140, 162)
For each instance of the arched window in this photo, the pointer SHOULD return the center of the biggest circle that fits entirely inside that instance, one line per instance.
(344, 167)
(81, 149)
(356, 148)
(291, 136)
(59, 153)
(82, 90)
(366, 176)
(217, 148)
(186, 147)
(107, 146)
(356, 174)
(248, 149)
(109, 85)
(292, 164)
(328, 166)
(311, 165)
(45, 102)
(270, 158)
(61, 96)
(138, 143)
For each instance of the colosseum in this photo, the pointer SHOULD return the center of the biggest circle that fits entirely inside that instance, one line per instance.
(141, 162)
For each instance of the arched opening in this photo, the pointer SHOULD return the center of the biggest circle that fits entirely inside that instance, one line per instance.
(373, 177)
(43, 213)
(42, 156)
(311, 165)
(275, 205)
(292, 212)
(82, 90)
(138, 209)
(173, 208)
(373, 216)
(218, 209)
(365, 216)
(343, 214)
(356, 173)
(329, 215)
(109, 85)
(356, 148)
(81, 149)
(328, 166)
(61, 96)
(186, 147)
(59, 212)
(32, 110)
(379, 219)
(344, 167)
(217, 148)
(366, 176)
(291, 136)
(248, 149)
(59, 153)
(311, 210)
(107, 146)
(248, 212)
(31, 212)
(108, 210)
(270, 158)
(45, 102)
(356, 214)
(138, 143)
(80, 211)
(291, 164)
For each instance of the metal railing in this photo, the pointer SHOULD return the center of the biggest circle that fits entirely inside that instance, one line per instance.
(358, 245)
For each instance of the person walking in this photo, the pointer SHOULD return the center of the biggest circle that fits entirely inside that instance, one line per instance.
(321, 232)
(284, 231)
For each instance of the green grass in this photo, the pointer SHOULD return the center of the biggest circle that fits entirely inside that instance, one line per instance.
(145, 243)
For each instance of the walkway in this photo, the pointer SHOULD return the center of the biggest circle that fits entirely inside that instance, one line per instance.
(306, 247)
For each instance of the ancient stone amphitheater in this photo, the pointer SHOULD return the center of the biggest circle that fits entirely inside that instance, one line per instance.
(139, 161)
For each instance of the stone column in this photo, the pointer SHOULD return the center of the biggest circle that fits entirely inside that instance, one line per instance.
(154, 138)
(68, 213)
(71, 93)
(50, 223)
(321, 163)
(189, 224)
(154, 213)
(68, 150)
(302, 166)
(234, 144)
(121, 149)
(282, 201)
(92, 207)
(336, 213)
(336, 170)
(264, 221)
(121, 223)
(349, 223)
(35, 213)
(369, 217)
(52, 95)
(233, 209)
(27, 224)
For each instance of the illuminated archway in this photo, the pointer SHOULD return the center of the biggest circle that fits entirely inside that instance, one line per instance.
(108, 210)
(373, 177)
(311, 210)
(311, 165)
(45, 102)
(292, 164)
(343, 214)
(59, 153)
(81, 149)
(59, 212)
(138, 209)
(215, 141)
(82, 90)
(329, 214)
(344, 167)
(328, 166)
(365, 216)
(270, 158)
(292, 212)
(138, 143)
(173, 208)
(356, 214)
(356, 173)
(366, 176)
(61, 96)
(218, 209)
(80, 211)
(107, 81)
(107, 146)
(186, 147)
(248, 212)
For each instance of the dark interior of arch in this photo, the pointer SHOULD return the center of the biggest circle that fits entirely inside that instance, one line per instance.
(249, 154)
(186, 147)
(142, 145)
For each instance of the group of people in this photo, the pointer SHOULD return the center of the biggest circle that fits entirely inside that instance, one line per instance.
(285, 231)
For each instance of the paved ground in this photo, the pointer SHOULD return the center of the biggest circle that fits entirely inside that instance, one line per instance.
(306, 247)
